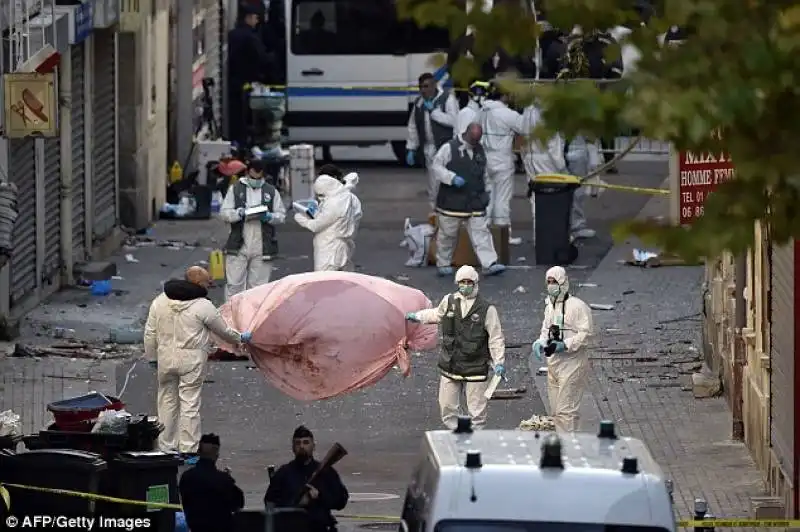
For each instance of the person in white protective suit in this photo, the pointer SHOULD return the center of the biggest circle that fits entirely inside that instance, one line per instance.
(578, 157)
(430, 125)
(469, 113)
(177, 343)
(252, 243)
(460, 166)
(334, 224)
(566, 328)
(501, 125)
(472, 346)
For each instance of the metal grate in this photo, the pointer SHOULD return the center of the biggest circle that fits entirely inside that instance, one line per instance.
(22, 172)
(78, 113)
(104, 182)
(52, 205)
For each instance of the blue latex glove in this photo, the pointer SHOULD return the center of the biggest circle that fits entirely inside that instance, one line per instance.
(153, 364)
(412, 316)
(500, 370)
(428, 105)
(240, 212)
(312, 210)
(458, 181)
(266, 217)
(538, 350)
(246, 337)
(410, 158)
(561, 347)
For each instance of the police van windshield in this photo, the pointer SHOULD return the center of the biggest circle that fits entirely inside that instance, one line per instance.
(529, 526)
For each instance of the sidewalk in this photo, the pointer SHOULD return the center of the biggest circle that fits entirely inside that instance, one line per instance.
(643, 354)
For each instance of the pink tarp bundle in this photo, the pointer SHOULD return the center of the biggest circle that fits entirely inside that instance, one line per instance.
(323, 334)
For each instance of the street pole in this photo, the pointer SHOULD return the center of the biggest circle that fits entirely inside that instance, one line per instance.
(184, 59)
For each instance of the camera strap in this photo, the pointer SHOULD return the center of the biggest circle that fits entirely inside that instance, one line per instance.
(563, 310)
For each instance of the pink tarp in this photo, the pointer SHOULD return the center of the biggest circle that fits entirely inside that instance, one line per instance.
(323, 334)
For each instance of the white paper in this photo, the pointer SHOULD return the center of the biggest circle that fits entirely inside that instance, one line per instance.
(493, 384)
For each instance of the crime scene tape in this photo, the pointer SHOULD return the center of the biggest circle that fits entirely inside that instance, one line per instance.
(566, 179)
(681, 523)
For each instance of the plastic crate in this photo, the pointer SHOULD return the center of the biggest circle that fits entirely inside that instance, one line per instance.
(79, 413)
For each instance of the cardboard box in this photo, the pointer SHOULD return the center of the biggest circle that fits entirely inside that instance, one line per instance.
(464, 254)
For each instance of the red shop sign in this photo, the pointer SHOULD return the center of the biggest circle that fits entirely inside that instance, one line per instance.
(698, 175)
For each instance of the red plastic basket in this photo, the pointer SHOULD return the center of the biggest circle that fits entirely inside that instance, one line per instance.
(78, 414)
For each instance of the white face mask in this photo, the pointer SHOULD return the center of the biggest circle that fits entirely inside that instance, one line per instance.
(553, 290)
(255, 182)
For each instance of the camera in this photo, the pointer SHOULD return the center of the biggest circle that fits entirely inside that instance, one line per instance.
(553, 336)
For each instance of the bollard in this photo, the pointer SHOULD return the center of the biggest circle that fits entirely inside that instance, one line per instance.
(701, 513)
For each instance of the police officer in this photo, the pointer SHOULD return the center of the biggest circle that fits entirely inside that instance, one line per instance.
(472, 338)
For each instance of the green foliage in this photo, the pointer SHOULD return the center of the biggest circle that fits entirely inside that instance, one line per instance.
(739, 74)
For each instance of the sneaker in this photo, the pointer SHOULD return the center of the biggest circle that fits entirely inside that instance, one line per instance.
(514, 240)
(495, 269)
(445, 271)
(584, 233)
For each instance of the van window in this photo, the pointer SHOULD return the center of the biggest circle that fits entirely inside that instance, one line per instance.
(345, 27)
(531, 526)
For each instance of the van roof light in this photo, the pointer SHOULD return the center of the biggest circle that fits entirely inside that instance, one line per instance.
(473, 460)
(607, 430)
(464, 425)
(630, 466)
(551, 453)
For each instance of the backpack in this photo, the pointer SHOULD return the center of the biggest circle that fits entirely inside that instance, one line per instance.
(584, 56)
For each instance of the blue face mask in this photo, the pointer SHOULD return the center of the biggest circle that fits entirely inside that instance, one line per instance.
(553, 290)
(466, 289)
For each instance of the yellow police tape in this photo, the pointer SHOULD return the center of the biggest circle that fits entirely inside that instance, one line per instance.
(565, 179)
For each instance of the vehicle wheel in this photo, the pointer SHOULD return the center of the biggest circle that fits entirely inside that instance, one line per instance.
(399, 149)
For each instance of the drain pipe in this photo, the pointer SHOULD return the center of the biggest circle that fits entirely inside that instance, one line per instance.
(64, 91)
(739, 349)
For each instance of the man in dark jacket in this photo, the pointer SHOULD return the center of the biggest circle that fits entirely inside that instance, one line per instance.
(248, 61)
(290, 486)
(209, 496)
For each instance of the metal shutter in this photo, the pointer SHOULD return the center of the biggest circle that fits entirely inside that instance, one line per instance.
(782, 364)
(22, 172)
(79, 243)
(52, 206)
(104, 183)
(214, 48)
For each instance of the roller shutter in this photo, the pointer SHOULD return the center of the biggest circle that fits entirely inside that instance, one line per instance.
(215, 49)
(22, 172)
(79, 243)
(783, 355)
(52, 205)
(104, 137)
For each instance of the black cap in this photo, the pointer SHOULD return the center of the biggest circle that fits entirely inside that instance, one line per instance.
(211, 439)
(302, 432)
(250, 8)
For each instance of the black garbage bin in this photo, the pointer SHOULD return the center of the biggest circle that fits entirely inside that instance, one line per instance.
(143, 476)
(65, 469)
(553, 209)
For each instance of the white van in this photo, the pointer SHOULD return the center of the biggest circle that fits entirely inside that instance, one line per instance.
(352, 69)
(520, 481)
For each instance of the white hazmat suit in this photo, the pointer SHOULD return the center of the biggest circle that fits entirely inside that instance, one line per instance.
(335, 224)
(567, 371)
(452, 386)
(176, 336)
(249, 267)
(581, 158)
(448, 118)
(500, 126)
(468, 115)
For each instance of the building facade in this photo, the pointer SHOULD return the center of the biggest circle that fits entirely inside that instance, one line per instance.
(71, 192)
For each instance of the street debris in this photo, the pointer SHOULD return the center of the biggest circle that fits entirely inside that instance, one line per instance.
(130, 258)
(706, 384)
(76, 350)
(521, 259)
(61, 332)
(125, 336)
(402, 278)
(650, 259)
(587, 285)
(599, 306)
(538, 423)
(519, 290)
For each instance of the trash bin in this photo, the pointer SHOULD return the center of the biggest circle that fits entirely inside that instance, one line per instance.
(80, 413)
(143, 476)
(104, 444)
(65, 469)
(552, 224)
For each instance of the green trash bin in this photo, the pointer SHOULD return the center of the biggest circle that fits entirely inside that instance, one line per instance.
(150, 476)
